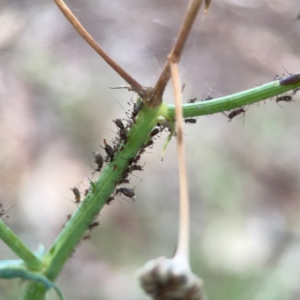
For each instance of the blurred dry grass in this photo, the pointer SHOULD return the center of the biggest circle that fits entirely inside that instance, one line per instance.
(56, 108)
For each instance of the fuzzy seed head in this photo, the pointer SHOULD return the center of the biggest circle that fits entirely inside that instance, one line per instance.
(170, 279)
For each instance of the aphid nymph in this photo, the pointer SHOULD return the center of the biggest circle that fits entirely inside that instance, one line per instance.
(76, 193)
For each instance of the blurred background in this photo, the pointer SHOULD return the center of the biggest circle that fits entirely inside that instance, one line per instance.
(56, 107)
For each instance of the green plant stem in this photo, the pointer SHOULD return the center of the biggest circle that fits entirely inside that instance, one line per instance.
(74, 230)
(226, 103)
(16, 245)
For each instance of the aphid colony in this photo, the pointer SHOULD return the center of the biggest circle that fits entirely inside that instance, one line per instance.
(110, 150)
(121, 139)
(283, 80)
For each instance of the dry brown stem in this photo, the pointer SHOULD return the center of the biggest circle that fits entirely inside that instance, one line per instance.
(155, 97)
(137, 87)
(183, 239)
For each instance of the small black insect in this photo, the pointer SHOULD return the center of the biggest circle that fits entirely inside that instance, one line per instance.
(136, 108)
(135, 168)
(207, 98)
(123, 135)
(235, 112)
(191, 121)
(93, 225)
(285, 98)
(192, 100)
(98, 160)
(76, 193)
(109, 200)
(126, 192)
(86, 191)
(290, 80)
(109, 151)
(119, 123)
(148, 144)
(124, 181)
(154, 132)
(135, 159)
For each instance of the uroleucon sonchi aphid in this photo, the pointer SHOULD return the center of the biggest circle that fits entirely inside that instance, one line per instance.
(109, 151)
(236, 112)
(126, 192)
(76, 193)
(93, 225)
(98, 160)
(119, 123)
(190, 121)
(285, 98)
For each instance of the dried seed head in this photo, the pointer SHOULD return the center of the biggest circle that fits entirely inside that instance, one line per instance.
(168, 279)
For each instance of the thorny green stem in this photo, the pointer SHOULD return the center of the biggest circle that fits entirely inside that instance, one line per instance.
(16, 245)
(74, 230)
(226, 103)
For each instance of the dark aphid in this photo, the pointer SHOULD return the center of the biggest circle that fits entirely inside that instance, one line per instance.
(126, 192)
(154, 132)
(135, 168)
(192, 100)
(86, 237)
(123, 135)
(207, 98)
(124, 181)
(93, 225)
(124, 176)
(190, 121)
(129, 124)
(69, 217)
(136, 108)
(76, 192)
(98, 160)
(235, 112)
(86, 191)
(134, 160)
(110, 199)
(119, 123)
(285, 98)
(290, 80)
(109, 150)
(148, 144)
